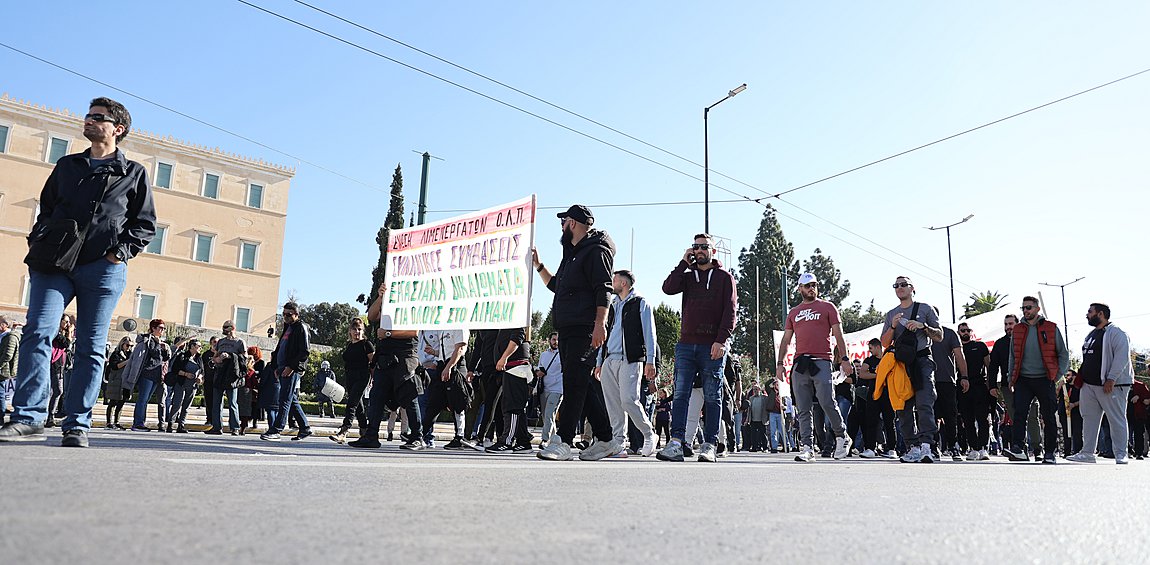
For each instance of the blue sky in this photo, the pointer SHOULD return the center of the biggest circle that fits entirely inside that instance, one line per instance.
(1057, 193)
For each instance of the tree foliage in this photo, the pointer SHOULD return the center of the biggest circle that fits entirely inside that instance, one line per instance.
(982, 302)
(668, 324)
(328, 322)
(832, 287)
(393, 221)
(772, 254)
(855, 319)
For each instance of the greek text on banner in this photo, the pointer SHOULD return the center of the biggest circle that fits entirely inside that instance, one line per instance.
(471, 271)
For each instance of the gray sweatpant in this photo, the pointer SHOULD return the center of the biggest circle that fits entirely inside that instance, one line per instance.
(920, 409)
(806, 388)
(1094, 402)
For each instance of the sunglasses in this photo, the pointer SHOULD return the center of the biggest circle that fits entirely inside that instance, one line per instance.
(703, 246)
(963, 331)
(101, 118)
(811, 285)
(1028, 308)
(900, 285)
(229, 327)
(290, 313)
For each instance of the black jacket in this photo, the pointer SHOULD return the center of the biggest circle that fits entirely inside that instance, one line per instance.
(583, 281)
(999, 362)
(481, 357)
(504, 337)
(296, 351)
(126, 219)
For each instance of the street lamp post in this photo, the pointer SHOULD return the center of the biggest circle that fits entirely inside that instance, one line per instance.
(1065, 327)
(707, 162)
(950, 263)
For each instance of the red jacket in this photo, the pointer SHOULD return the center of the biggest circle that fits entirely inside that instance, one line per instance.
(1138, 409)
(1047, 343)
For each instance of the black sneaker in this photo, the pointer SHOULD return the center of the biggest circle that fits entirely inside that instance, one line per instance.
(74, 437)
(1016, 455)
(181, 429)
(687, 451)
(1049, 459)
(416, 445)
(365, 442)
(455, 445)
(15, 431)
(303, 434)
(214, 432)
(581, 445)
(499, 447)
(50, 423)
(523, 448)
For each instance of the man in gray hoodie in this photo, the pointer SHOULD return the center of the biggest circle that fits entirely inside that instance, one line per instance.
(1106, 377)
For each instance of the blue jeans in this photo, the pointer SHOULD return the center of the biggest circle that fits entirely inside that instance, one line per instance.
(287, 398)
(96, 287)
(778, 434)
(692, 360)
(146, 388)
(233, 407)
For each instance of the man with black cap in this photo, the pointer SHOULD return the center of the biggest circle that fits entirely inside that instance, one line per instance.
(582, 287)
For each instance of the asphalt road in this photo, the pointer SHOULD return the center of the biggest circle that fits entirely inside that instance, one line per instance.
(160, 498)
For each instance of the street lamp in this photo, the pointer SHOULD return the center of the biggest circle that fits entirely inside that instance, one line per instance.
(707, 162)
(950, 262)
(1065, 327)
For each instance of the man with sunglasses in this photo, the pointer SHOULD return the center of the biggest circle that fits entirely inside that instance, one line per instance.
(916, 420)
(1038, 355)
(107, 199)
(289, 360)
(974, 398)
(709, 305)
(948, 356)
(582, 287)
(813, 324)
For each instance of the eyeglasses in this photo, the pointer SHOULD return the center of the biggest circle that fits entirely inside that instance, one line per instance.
(101, 118)
(900, 285)
(703, 246)
(1028, 307)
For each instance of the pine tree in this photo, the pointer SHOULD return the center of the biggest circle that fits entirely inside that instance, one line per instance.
(394, 221)
(772, 254)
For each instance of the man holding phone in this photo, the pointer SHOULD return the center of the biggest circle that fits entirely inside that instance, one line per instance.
(709, 306)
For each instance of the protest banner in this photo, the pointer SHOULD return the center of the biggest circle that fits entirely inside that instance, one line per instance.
(468, 272)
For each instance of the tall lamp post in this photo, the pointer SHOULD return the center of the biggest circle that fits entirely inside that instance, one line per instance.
(707, 160)
(950, 263)
(1065, 327)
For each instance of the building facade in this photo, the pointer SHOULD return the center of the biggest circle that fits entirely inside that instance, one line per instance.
(221, 217)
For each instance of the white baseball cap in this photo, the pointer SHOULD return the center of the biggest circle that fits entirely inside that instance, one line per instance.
(806, 278)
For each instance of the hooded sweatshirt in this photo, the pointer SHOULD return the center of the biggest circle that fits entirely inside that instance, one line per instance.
(583, 282)
(709, 302)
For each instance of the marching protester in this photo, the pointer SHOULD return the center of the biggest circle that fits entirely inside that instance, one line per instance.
(948, 356)
(974, 398)
(514, 366)
(878, 415)
(582, 287)
(1038, 356)
(911, 327)
(289, 360)
(152, 352)
(115, 395)
(318, 383)
(441, 354)
(484, 425)
(184, 374)
(813, 324)
(708, 323)
(357, 357)
(626, 359)
(550, 372)
(92, 269)
(1105, 378)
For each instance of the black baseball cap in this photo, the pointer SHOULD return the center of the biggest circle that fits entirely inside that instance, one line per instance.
(579, 213)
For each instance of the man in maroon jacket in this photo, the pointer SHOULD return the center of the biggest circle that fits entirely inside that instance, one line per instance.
(709, 304)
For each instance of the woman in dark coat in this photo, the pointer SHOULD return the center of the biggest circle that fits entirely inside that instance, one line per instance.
(115, 395)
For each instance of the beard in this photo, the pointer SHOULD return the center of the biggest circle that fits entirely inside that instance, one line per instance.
(1093, 321)
(566, 238)
(702, 260)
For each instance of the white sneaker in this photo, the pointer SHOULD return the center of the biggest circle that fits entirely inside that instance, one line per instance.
(891, 454)
(974, 455)
(842, 447)
(983, 455)
(868, 454)
(649, 445)
(805, 456)
(927, 454)
(557, 451)
(600, 450)
(913, 455)
(1082, 458)
(707, 453)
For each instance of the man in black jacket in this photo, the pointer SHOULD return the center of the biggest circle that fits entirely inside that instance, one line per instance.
(290, 360)
(582, 287)
(101, 195)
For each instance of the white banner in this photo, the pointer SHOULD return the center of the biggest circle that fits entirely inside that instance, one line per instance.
(468, 272)
(985, 327)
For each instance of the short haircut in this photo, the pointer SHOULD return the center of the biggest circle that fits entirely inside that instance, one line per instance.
(875, 341)
(554, 334)
(1011, 316)
(155, 324)
(905, 278)
(1030, 299)
(291, 305)
(4, 320)
(627, 275)
(705, 236)
(118, 111)
(963, 324)
(1101, 308)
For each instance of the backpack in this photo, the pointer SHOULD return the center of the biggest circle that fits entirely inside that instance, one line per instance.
(906, 346)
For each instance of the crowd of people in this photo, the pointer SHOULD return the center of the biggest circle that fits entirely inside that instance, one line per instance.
(923, 392)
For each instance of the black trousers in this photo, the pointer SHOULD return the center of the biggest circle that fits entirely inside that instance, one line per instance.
(441, 396)
(758, 439)
(580, 390)
(878, 422)
(393, 386)
(353, 403)
(946, 409)
(1027, 389)
(1139, 427)
(492, 424)
(975, 407)
(516, 393)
